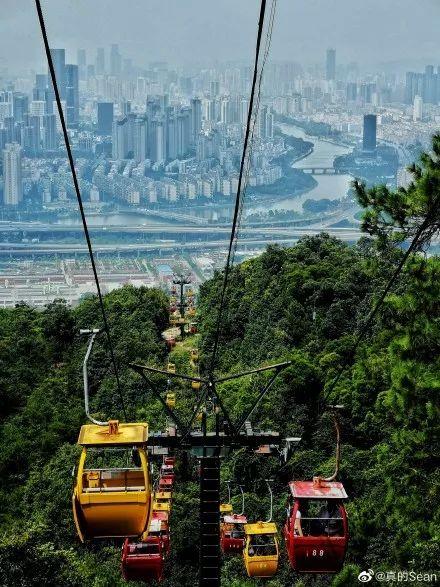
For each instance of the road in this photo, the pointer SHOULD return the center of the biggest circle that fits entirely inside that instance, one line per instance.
(281, 236)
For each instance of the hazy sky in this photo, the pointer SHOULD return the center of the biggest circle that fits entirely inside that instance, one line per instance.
(180, 31)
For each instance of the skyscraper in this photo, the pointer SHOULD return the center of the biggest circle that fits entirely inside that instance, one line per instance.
(31, 134)
(262, 122)
(13, 185)
(72, 95)
(59, 65)
(115, 61)
(369, 135)
(415, 83)
(105, 118)
(140, 139)
(50, 139)
(214, 88)
(171, 130)
(20, 106)
(430, 85)
(418, 109)
(120, 138)
(37, 108)
(100, 61)
(196, 120)
(330, 65)
(82, 63)
(183, 132)
(40, 89)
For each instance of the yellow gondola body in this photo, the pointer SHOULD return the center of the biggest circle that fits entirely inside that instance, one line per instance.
(261, 549)
(112, 502)
(225, 508)
(171, 400)
(162, 501)
(171, 368)
(195, 385)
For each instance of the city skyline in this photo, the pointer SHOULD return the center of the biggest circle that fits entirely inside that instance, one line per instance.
(195, 28)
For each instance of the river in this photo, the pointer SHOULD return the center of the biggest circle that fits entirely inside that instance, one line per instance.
(333, 187)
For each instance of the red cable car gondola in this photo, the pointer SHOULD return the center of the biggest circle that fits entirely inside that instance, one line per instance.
(232, 534)
(160, 527)
(166, 484)
(167, 472)
(316, 529)
(143, 561)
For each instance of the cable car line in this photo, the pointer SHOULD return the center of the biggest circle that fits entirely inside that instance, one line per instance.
(78, 196)
(239, 188)
(267, 45)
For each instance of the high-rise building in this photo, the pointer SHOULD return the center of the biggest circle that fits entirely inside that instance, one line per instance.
(50, 138)
(196, 120)
(225, 111)
(430, 85)
(183, 132)
(369, 135)
(59, 65)
(115, 60)
(140, 139)
(3, 138)
(330, 65)
(31, 134)
(100, 61)
(20, 106)
(126, 107)
(265, 123)
(269, 124)
(414, 86)
(57, 114)
(171, 133)
(366, 91)
(120, 139)
(39, 91)
(262, 122)
(9, 126)
(13, 184)
(72, 95)
(418, 109)
(82, 64)
(105, 118)
(244, 108)
(214, 89)
(351, 92)
(37, 108)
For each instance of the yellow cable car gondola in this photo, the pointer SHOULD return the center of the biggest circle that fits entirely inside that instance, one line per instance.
(171, 368)
(225, 508)
(171, 400)
(195, 385)
(261, 549)
(162, 501)
(112, 501)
